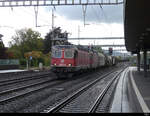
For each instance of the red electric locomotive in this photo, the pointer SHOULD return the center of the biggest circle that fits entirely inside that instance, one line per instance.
(68, 59)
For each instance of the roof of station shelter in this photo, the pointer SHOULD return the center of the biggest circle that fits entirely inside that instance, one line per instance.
(137, 25)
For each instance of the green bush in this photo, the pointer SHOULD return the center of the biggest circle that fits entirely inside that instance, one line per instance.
(22, 62)
(41, 60)
(44, 59)
(47, 61)
(35, 62)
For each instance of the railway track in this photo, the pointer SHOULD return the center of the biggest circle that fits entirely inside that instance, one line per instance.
(15, 94)
(70, 104)
(22, 79)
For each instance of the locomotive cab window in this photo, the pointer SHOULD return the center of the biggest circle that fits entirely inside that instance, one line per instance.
(56, 53)
(69, 54)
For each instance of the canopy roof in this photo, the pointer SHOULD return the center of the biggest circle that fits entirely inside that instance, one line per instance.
(137, 25)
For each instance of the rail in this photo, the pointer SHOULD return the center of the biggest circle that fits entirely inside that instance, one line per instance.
(57, 107)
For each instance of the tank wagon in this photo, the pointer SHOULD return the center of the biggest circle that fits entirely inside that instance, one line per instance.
(67, 60)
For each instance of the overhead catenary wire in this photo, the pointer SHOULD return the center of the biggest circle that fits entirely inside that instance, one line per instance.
(32, 14)
(105, 16)
(97, 16)
(36, 14)
(84, 8)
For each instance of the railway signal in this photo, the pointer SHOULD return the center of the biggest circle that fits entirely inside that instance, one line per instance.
(110, 51)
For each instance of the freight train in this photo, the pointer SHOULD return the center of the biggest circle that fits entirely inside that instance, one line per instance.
(67, 60)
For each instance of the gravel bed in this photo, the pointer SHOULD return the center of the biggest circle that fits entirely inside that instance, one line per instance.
(23, 83)
(59, 95)
(45, 98)
(18, 75)
(40, 100)
(84, 102)
(20, 102)
(44, 83)
(105, 104)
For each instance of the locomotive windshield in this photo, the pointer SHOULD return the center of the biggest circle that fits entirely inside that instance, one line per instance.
(56, 53)
(69, 53)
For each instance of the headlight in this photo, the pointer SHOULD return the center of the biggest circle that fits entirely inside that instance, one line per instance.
(55, 64)
(69, 64)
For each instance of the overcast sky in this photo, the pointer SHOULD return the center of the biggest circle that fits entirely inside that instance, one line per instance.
(102, 22)
(103, 14)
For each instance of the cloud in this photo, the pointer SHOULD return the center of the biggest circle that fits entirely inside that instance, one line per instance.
(19, 18)
(68, 18)
(106, 14)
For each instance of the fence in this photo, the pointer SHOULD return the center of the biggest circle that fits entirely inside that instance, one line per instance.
(9, 62)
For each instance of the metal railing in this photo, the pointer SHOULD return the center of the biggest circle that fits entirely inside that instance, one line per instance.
(9, 62)
(15, 3)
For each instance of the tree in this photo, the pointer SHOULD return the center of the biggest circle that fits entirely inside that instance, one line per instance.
(3, 54)
(59, 38)
(34, 54)
(98, 49)
(10, 55)
(26, 40)
(1, 44)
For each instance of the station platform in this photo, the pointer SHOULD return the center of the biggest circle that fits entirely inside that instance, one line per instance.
(10, 71)
(132, 94)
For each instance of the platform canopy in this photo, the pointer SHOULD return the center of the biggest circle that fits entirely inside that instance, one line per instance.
(137, 25)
